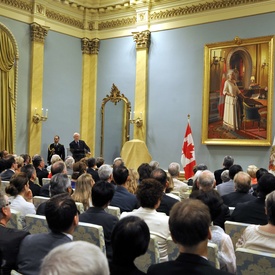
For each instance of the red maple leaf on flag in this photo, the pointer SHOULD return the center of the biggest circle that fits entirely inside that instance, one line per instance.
(189, 151)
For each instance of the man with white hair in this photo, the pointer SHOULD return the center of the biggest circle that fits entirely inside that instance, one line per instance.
(174, 171)
(79, 148)
(105, 172)
(77, 257)
(206, 180)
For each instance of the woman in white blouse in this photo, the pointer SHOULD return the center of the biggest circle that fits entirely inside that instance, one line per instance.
(22, 196)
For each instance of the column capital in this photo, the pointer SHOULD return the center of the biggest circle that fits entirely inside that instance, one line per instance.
(142, 39)
(90, 46)
(38, 32)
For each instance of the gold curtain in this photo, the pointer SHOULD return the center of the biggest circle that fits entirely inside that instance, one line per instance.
(7, 90)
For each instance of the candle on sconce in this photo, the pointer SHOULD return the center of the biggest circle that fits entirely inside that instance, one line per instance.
(133, 115)
(46, 112)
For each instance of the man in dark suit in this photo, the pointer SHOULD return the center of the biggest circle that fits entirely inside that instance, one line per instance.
(56, 148)
(92, 169)
(166, 202)
(79, 148)
(62, 219)
(123, 199)
(39, 165)
(10, 238)
(228, 161)
(31, 174)
(11, 166)
(189, 225)
(254, 211)
(102, 194)
(242, 186)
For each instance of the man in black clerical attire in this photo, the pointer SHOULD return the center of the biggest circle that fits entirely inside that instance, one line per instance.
(56, 149)
(79, 148)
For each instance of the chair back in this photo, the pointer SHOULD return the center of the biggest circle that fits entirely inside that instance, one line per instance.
(3, 185)
(254, 262)
(45, 181)
(15, 220)
(212, 254)
(80, 207)
(234, 230)
(150, 257)
(231, 209)
(37, 200)
(36, 224)
(113, 210)
(91, 233)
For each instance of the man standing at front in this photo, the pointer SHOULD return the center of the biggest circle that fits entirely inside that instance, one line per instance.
(56, 149)
(78, 148)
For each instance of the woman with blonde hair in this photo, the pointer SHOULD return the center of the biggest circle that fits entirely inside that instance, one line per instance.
(83, 190)
(132, 182)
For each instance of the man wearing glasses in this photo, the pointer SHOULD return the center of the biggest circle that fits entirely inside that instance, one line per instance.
(10, 238)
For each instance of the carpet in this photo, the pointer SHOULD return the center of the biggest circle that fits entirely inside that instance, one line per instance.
(216, 130)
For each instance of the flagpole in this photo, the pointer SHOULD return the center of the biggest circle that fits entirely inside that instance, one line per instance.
(188, 117)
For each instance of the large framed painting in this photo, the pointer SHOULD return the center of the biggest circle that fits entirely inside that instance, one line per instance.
(238, 92)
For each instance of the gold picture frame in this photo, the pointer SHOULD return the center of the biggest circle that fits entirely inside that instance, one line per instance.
(238, 111)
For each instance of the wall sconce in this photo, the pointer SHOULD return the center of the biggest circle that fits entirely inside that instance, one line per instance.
(216, 60)
(138, 121)
(37, 117)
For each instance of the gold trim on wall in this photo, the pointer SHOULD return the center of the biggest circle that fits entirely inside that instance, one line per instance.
(255, 82)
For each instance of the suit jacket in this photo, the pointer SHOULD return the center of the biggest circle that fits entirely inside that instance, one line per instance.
(226, 188)
(41, 173)
(35, 188)
(189, 264)
(34, 248)
(94, 174)
(123, 269)
(80, 151)
(217, 175)
(123, 199)
(57, 149)
(237, 197)
(99, 216)
(7, 174)
(10, 240)
(250, 212)
(166, 204)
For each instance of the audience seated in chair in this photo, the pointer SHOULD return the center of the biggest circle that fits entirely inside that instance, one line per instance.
(228, 161)
(102, 194)
(174, 171)
(242, 183)
(59, 184)
(22, 201)
(105, 172)
(31, 174)
(189, 223)
(130, 239)
(69, 161)
(39, 165)
(223, 241)
(79, 168)
(83, 190)
(169, 190)
(149, 194)
(92, 169)
(10, 238)
(261, 237)
(144, 171)
(123, 199)
(254, 211)
(62, 218)
(77, 257)
(11, 166)
(166, 202)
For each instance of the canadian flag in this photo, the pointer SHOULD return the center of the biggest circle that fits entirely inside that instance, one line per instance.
(188, 160)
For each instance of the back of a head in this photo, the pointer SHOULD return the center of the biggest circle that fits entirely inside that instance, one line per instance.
(212, 199)
(228, 161)
(154, 164)
(36, 160)
(58, 167)
(55, 158)
(60, 211)
(118, 162)
(28, 169)
(120, 174)
(79, 168)
(105, 171)
(225, 175)
(260, 172)
(149, 192)
(234, 169)
(59, 184)
(9, 161)
(270, 207)
(251, 170)
(99, 161)
(266, 184)
(160, 175)
(17, 184)
(201, 167)
(206, 180)
(69, 161)
(189, 222)
(91, 162)
(242, 182)
(144, 171)
(102, 193)
(174, 169)
(130, 239)
(75, 258)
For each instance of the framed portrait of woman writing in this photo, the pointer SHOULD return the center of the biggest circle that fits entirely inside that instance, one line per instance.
(238, 92)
